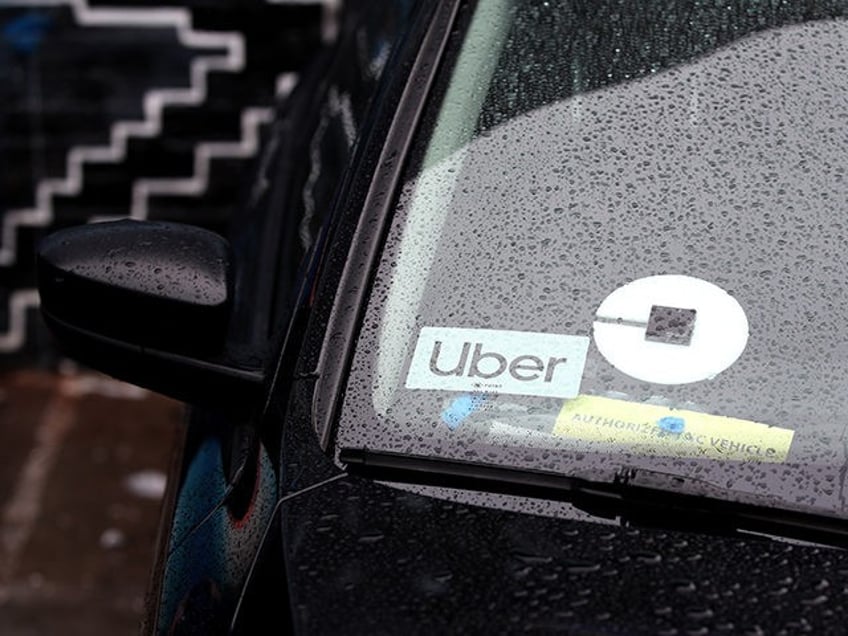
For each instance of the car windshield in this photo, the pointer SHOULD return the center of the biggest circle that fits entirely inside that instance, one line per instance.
(622, 242)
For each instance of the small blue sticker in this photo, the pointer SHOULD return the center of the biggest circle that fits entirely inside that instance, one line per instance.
(26, 32)
(672, 424)
(461, 407)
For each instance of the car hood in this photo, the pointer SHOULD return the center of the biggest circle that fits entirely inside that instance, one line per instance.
(366, 557)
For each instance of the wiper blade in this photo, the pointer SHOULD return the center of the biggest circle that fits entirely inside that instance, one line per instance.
(636, 497)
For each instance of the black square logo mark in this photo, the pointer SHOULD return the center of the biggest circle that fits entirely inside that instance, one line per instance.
(670, 325)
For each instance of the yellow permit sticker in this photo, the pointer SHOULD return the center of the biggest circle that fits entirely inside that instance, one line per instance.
(658, 430)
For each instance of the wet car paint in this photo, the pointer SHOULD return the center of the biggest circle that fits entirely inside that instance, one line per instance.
(381, 558)
(223, 487)
(360, 556)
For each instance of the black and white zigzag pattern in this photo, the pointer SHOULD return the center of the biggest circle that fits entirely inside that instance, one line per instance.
(190, 100)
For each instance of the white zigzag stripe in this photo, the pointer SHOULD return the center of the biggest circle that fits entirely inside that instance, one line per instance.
(204, 153)
(154, 103)
(19, 302)
(251, 121)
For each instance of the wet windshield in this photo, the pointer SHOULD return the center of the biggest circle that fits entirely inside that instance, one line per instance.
(623, 243)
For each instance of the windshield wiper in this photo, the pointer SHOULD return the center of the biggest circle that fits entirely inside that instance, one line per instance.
(635, 496)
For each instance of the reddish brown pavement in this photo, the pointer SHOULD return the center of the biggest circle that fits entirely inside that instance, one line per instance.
(83, 460)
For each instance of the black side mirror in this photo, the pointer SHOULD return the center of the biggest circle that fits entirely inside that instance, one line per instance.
(149, 303)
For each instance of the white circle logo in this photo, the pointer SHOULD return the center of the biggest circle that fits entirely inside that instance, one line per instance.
(670, 329)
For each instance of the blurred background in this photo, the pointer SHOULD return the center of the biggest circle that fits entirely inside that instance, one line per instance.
(149, 109)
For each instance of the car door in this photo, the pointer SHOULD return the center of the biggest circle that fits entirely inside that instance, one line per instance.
(223, 486)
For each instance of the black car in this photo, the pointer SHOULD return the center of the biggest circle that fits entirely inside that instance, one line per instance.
(532, 320)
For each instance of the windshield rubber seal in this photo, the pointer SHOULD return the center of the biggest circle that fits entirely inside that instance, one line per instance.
(354, 287)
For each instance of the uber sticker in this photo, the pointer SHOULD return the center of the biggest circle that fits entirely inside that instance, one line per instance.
(671, 329)
(496, 361)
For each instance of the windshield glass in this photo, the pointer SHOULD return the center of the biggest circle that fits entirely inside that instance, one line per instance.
(622, 243)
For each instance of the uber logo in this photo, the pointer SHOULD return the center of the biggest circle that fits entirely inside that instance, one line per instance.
(670, 329)
(497, 361)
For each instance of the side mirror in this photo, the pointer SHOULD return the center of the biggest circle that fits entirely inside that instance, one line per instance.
(147, 302)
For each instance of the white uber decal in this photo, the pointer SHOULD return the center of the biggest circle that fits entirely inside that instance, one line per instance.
(671, 329)
(496, 361)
